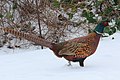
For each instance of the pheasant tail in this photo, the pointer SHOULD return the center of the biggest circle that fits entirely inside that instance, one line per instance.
(29, 37)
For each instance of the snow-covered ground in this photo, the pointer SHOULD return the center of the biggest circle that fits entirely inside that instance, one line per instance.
(21, 64)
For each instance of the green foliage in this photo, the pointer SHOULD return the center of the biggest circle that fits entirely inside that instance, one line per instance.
(1, 16)
(108, 10)
(113, 29)
(56, 4)
(70, 15)
(89, 16)
(116, 2)
(118, 24)
(98, 3)
(14, 6)
(109, 30)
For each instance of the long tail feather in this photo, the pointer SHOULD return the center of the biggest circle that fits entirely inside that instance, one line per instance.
(29, 37)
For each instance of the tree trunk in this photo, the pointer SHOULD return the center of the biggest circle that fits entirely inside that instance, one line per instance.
(38, 15)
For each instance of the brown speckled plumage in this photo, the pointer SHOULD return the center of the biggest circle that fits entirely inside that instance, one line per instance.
(76, 50)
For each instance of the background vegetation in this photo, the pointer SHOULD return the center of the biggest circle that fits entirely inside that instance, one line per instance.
(56, 20)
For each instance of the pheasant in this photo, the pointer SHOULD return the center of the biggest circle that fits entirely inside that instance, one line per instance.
(75, 50)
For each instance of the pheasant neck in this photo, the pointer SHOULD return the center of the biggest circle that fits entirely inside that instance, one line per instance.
(99, 28)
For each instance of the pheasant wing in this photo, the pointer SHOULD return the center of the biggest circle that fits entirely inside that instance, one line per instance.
(73, 48)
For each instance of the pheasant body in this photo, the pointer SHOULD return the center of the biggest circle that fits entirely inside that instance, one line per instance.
(76, 50)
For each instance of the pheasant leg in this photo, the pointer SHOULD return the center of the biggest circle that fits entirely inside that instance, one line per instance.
(81, 62)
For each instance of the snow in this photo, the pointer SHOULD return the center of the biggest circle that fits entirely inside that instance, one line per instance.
(28, 64)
